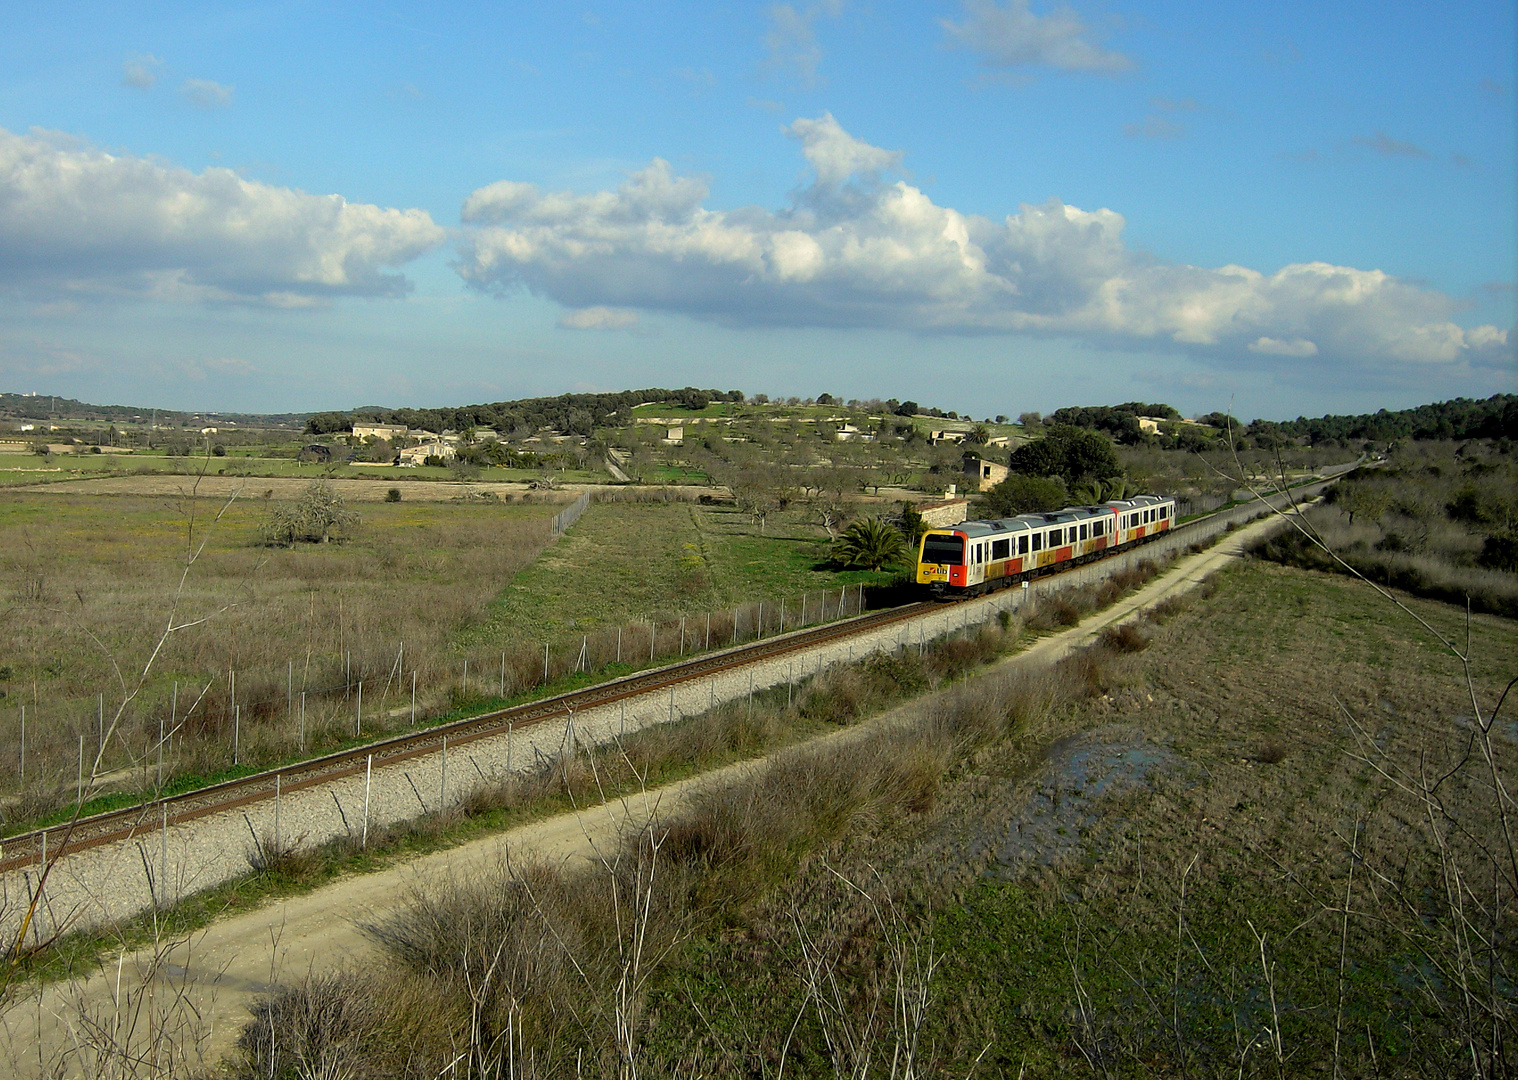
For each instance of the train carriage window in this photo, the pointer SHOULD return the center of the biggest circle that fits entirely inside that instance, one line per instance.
(1164, 511)
(1056, 537)
(945, 550)
(1000, 549)
(1022, 544)
(1085, 532)
(1038, 541)
(1097, 527)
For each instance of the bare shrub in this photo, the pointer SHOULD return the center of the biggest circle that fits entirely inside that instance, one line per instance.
(1270, 752)
(1126, 638)
(343, 1024)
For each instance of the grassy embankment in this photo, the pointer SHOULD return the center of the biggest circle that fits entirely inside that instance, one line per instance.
(1202, 848)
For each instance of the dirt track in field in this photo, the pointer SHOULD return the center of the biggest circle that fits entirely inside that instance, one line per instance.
(224, 967)
(362, 489)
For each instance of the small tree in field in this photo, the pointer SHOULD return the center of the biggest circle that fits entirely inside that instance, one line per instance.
(870, 544)
(317, 516)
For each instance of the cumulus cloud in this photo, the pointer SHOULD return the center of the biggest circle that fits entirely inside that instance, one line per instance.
(205, 94)
(1386, 146)
(599, 318)
(1012, 36)
(857, 248)
(76, 220)
(140, 72)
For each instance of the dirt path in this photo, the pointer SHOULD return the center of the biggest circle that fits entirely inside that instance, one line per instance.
(221, 969)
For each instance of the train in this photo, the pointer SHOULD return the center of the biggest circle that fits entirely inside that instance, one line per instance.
(976, 557)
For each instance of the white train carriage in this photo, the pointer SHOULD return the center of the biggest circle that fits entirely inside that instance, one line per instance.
(977, 556)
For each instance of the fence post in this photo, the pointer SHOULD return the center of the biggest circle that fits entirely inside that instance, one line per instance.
(236, 731)
(23, 744)
(358, 717)
(545, 663)
(163, 857)
(442, 799)
(80, 797)
(708, 644)
(619, 644)
(303, 719)
(289, 689)
(653, 633)
(413, 700)
(503, 672)
(368, 774)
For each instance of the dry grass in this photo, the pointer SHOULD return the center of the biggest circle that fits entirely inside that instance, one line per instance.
(91, 585)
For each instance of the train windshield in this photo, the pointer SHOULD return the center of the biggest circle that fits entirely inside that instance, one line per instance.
(944, 550)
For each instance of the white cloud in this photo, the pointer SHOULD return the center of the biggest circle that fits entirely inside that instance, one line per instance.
(792, 38)
(1275, 347)
(1155, 127)
(1386, 146)
(1013, 37)
(75, 220)
(205, 94)
(599, 318)
(856, 250)
(140, 72)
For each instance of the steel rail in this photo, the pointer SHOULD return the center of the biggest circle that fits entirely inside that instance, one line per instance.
(142, 818)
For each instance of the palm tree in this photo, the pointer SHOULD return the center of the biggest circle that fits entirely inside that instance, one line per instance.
(870, 544)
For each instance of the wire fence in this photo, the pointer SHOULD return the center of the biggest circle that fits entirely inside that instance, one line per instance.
(256, 716)
(569, 515)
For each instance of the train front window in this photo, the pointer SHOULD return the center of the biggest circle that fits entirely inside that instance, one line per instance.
(944, 550)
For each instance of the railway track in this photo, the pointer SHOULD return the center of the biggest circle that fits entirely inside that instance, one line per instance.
(26, 849)
(30, 848)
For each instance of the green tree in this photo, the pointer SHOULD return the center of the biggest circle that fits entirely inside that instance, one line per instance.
(326, 423)
(1023, 494)
(1071, 453)
(870, 544)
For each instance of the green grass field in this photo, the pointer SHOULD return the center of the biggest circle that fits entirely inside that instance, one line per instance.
(628, 562)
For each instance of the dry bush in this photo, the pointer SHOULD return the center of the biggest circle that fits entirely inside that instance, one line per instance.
(1270, 752)
(348, 1024)
(1126, 638)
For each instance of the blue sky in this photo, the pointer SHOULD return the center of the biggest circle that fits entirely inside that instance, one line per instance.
(991, 205)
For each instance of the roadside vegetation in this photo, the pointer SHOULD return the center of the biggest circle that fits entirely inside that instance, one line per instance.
(1439, 519)
(1161, 858)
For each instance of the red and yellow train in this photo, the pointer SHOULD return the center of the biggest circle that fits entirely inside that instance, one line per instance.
(975, 557)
